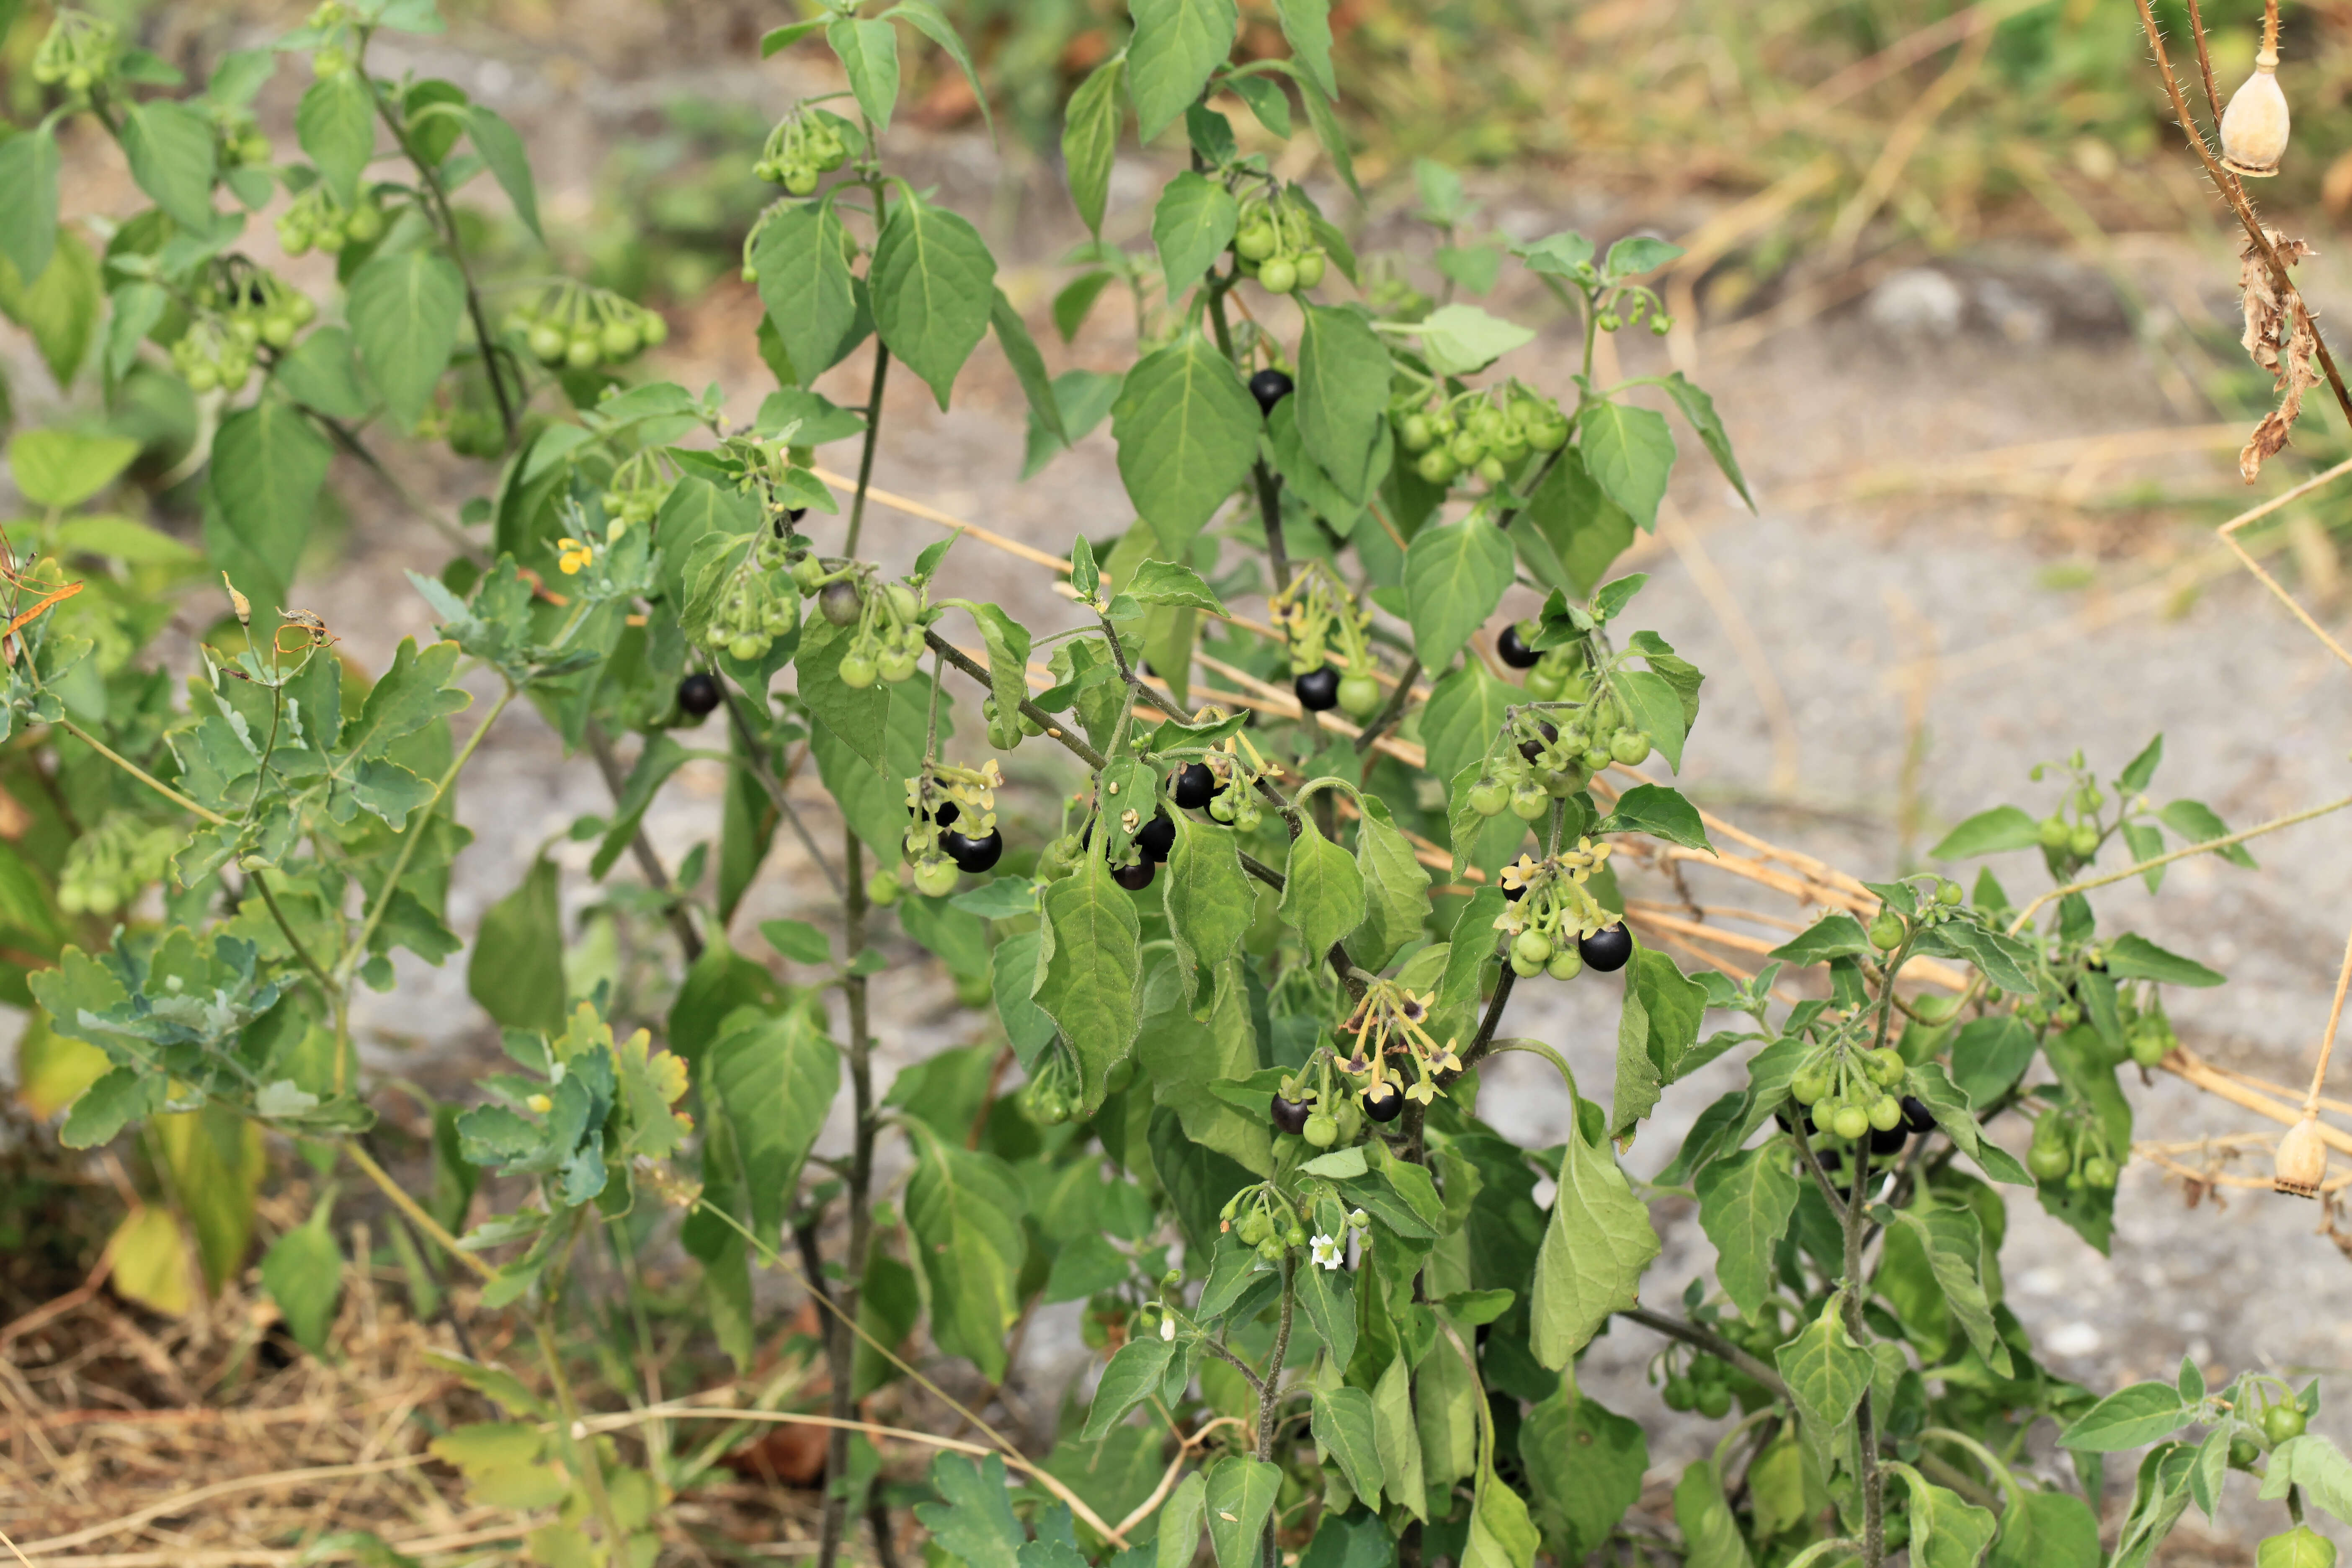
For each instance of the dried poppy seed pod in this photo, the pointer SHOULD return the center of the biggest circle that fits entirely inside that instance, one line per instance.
(2254, 126)
(2302, 1160)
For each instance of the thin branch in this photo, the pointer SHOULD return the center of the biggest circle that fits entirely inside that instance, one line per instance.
(2327, 1041)
(754, 758)
(2208, 847)
(142, 775)
(649, 861)
(1714, 1345)
(1386, 718)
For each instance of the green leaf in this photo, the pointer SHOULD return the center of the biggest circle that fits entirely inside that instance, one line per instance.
(1090, 974)
(1028, 366)
(974, 1521)
(1744, 1204)
(1328, 130)
(415, 691)
(1343, 398)
(1207, 897)
(1576, 530)
(806, 285)
(1989, 1053)
(1955, 1246)
(1396, 890)
(2133, 957)
(1399, 1439)
(1265, 101)
(1090, 140)
(266, 468)
(1835, 935)
(2006, 962)
(1165, 583)
(1660, 811)
(2315, 1464)
(1133, 1375)
(1711, 1537)
(932, 24)
(934, 284)
(1455, 576)
(1595, 1249)
(1656, 708)
(2197, 823)
(1008, 643)
(1655, 1031)
(501, 148)
(1459, 340)
(1464, 712)
(1187, 431)
(60, 307)
(1699, 409)
(170, 147)
(1344, 1425)
(775, 1076)
(1013, 968)
(320, 373)
(1307, 27)
(1946, 1531)
(2301, 1547)
(63, 468)
(405, 311)
(1951, 1110)
(1241, 1496)
(28, 201)
(964, 1208)
(776, 40)
(1190, 226)
(1636, 254)
(517, 970)
(335, 123)
(1177, 44)
(868, 52)
(2046, 1530)
(1323, 889)
(1826, 1374)
(303, 1271)
(2128, 1418)
(1988, 832)
(1629, 452)
(1178, 1540)
(1585, 1466)
(1330, 1297)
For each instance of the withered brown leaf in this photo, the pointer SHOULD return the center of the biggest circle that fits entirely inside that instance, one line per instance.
(2280, 338)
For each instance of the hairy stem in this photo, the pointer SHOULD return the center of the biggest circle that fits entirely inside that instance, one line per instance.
(866, 453)
(581, 1448)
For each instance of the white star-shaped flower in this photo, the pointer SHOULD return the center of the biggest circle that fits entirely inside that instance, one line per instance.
(1326, 1251)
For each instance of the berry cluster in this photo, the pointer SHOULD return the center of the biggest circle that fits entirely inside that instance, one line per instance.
(1275, 243)
(78, 52)
(1055, 1085)
(1004, 736)
(638, 488)
(952, 829)
(1225, 782)
(2070, 1145)
(579, 328)
(1319, 617)
(1554, 674)
(801, 147)
(1848, 1091)
(238, 141)
(752, 611)
(1552, 924)
(245, 309)
(1395, 1057)
(888, 642)
(1267, 1219)
(1486, 431)
(316, 219)
(1696, 1381)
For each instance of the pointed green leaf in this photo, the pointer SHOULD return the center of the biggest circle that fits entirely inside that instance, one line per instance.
(934, 284)
(1629, 452)
(1711, 1537)
(1399, 1439)
(63, 468)
(1133, 1375)
(1343, 398)
(1177, 44)
(964, 1209)
(1207, 897)
(268, 465)
(933, 23)
(1699, 409)
(2048, 1529)
(335, 123)
(2130, 1417)
(1988, 832)
(405, 311)
(1323, 890)
(1307, 25)
(806, 285)
(170, 147)
(1089, 972)
(1825, 1373)
(1343, 1422)
(501, 148)
(1744, 1204)
(1090, 140)
(1584, 1464)
(1190, 226)
(868, 52)
(775, 1076)
(1396, 890)
(28, 201)
(1595, 1247)
(1187, 432)
(303, 1271)
(1455, 576)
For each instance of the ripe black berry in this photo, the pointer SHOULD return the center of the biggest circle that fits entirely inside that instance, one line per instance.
(1156, 838)
(1531, 749)
(1514, 895)
(1890, 1142)
(699, 694)
(971, 854)
(1318, 689)
(1916, 1117)
(1514, 652)
(943, 817)
(1606, 948)
(1290, 1115)
(1196, 786)
(1269, 387)
(1384, 1102)
(1135, 877)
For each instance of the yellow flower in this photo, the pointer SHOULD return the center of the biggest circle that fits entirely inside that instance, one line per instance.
(574, 555)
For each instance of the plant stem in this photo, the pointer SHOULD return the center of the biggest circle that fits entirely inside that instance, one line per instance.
(424, 1223)
(326, 986)
(581, 1449)
(866, 454)
(142, 775)
(1713, 1343)
(752, 758)
(1386, 718)
(649, 861)
(1269, 488)
(1057, 729)
(1268, 1401)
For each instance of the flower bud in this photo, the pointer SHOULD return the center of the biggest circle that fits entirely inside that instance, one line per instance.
(2302, 1160)
(2254, 126)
